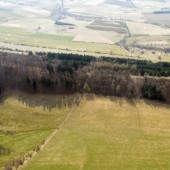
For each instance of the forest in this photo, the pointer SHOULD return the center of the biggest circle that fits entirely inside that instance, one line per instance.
(57, 73)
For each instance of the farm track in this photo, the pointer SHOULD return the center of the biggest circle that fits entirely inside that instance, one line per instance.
(48, 139)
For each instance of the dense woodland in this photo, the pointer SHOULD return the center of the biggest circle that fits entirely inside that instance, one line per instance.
(70, 73)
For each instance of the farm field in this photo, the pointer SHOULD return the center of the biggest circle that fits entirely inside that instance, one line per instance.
(87, 30)
(21, 37)
(136, 28)
(33, 26)
(152, 39)
(24, 41)
(104, 133)
(26, 121)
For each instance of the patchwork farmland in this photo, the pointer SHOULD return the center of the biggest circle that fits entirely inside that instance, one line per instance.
(86, 29)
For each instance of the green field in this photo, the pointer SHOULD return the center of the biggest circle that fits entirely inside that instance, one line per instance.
(20, 36)
(26, 121)
(106, 134)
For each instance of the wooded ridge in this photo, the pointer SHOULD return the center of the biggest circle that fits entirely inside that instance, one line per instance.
(70, 73)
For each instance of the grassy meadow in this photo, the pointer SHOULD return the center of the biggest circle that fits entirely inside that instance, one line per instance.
(107, 134)
(24, 126)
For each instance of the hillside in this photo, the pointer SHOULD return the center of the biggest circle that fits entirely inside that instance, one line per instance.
(103, 133)
(26, 121)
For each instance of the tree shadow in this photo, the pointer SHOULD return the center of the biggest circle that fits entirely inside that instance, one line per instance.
(121, 100)
(48, 102)
(156, 104)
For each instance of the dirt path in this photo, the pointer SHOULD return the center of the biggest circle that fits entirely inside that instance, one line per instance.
(47, 140)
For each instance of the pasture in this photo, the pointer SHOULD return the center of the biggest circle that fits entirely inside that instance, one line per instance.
(26, 121)
(104, 133)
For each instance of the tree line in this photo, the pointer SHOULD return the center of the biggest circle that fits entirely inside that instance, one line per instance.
(70, 73)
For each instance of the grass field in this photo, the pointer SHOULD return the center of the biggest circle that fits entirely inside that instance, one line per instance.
(20, 36)
(23, 127)
(104, 134)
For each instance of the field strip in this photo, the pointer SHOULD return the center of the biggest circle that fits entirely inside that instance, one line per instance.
(48, 139)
